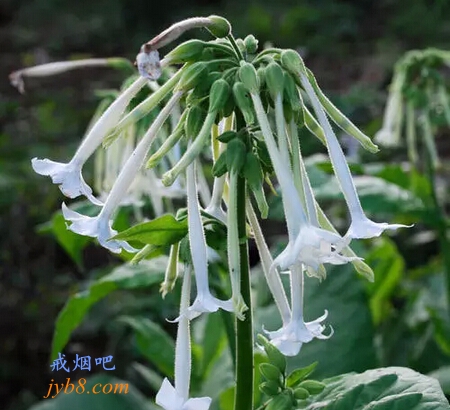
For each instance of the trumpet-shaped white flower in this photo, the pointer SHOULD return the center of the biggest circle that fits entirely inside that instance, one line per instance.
(290, 338)
(361, 226)
(68, 175)
(204, 302)
(177, 398)
(100, 226)
(308, 244)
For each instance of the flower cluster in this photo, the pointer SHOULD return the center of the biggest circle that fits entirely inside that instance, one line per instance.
(244, 109)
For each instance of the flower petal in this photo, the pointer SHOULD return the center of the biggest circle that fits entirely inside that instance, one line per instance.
(67, 176)
(363, 227)
(200, 403)
(168, 398)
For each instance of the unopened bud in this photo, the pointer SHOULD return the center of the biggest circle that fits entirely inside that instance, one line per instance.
(220, 166)
(313, 386)
(251, 44)
(219, 27)
(186, 52)
(291, 93)
(194, 121)
(270, 372)
(292, 62)
(171, 274)
(249, 78)
(270, 388)
(243, 101)
(301, 394)
(218, 96)
(236, 153)
(274, 80)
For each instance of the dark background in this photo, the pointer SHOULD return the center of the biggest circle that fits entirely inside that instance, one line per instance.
(350, 45)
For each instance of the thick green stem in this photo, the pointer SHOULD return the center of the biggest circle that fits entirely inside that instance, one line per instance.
(244, 328)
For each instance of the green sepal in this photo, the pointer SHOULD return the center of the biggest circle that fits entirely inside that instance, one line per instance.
(313, 386)
(276, 358)
(274, 80)
(220, 166)
(298, 375)
(270, 372)
(188, 51)
(236, 153)
(218, 95)
(194, 121)
(227, 136)
(192, 75)
(244, 102)
(270, 388)
(248, 76)
(292, 95)
(220, 26)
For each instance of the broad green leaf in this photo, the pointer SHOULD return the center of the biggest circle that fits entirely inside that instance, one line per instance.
(351, 348)
(164, 230)
(390, 388)
(147, 273)
(153, 342)
(89, 400)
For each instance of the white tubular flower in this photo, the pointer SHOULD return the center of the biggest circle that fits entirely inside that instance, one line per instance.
(214, 207)
(177, 398)
(290, 338)
(68, 176)
(308, 244)
(389, 134)
(204, 302)
(100, 226)
(361, 226)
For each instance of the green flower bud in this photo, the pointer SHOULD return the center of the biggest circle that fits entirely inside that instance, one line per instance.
(261, 73)
(218, 96)
(313, 386)
(241, 45)
(244, 102)
(251, 44)
(236, 153)
(276, 357)
(194, 121)
(301, 393)
(274, 79)
(220, 166)
(270, 372)
(281, 402)
(191, 76)
(292, 62)
(292, 94)
(120, 63)
(171, 274)
(188, 51)
(248, 76)
(207, 54)
(270, 388)
(227, 136)
(220, 26)
(262, 340)
(228, 107)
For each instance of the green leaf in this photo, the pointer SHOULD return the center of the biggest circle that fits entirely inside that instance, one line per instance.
(133, 399)
(164, 230)
(153, 342)
(147, 273)
(214, 341)
(391, 388)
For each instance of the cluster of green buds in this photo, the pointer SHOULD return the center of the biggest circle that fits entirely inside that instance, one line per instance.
(241, 110)
(418, 103)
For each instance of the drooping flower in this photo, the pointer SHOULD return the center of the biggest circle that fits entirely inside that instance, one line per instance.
(361, 226)
(290, 338)
(100, 226)
(204, 302)
(177, 398)
(69, 175)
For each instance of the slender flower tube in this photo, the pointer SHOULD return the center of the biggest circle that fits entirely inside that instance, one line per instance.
(100, 226)
(308, 244)
(361, 226)
(45, 70)
(272, 278)
(214, 207)
(177, 398)
(68, 176)
(290, 338)
(204, 301)
(389, 135)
